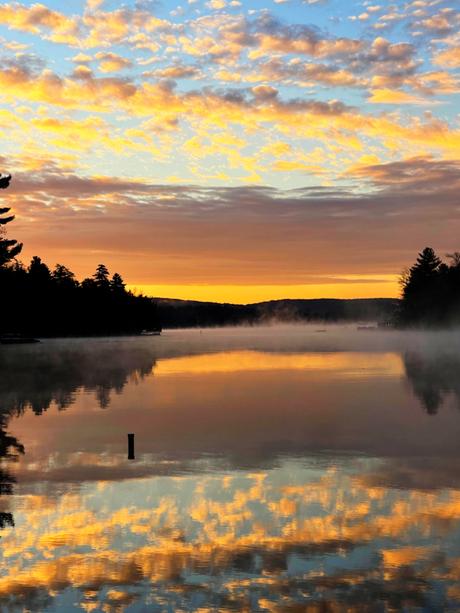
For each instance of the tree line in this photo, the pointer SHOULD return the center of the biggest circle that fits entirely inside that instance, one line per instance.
(431, 291)
(38, 301)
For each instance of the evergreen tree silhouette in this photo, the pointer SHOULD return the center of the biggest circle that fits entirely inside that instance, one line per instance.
(101, 277)
(63, 277)
(39, 273)
(9, 248)
(419, 296)
(117, 284)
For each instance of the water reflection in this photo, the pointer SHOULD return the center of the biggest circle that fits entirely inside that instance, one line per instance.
(35, 379)
(299, 535)
(240, 409)
(9, 450)
(434, 378)
(38, 377)
(263, 480)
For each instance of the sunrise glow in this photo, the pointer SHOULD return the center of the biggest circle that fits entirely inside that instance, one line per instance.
(233, 151)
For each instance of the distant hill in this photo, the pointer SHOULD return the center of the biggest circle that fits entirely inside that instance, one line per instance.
(190, 313)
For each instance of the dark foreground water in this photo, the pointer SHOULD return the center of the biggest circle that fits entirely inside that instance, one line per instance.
(283, 469)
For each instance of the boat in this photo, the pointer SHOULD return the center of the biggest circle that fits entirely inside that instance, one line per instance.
(155, 332)
(16, 339)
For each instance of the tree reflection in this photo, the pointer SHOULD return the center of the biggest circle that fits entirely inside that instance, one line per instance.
(36, 379)
(10, 449)
(433, 378)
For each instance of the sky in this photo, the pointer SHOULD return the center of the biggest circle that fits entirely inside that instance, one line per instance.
(231, 150)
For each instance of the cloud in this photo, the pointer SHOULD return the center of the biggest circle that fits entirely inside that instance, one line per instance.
(227, 97)
(391, 96)
(111, 62)
(93, 5)
(47, 87)
(439, 24)
(82, 58)
(419, 174)
(95, 28)
(305, 228)
(273, 36)
(348, 62)
(175, 71)
(216, 4)
(38, 18)
(304, 73)
(166, 123)
(449, 57)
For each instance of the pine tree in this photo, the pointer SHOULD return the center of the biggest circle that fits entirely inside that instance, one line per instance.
(101, 277)
(9, 248)
(420, 288)
(39, 273)
(117, 284)
(63, 277)
(426, 265)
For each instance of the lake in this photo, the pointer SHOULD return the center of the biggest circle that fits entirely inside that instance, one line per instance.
(294, 468)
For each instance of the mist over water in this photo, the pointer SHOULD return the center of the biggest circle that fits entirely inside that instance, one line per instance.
(275, 468)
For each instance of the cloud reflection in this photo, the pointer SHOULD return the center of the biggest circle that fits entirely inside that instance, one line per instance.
(229, 506)
(298, 535)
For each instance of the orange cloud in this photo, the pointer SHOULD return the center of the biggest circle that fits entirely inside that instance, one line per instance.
(449, 57)
(38, 17)
(306, 44)
(111, 62)
(392, 96)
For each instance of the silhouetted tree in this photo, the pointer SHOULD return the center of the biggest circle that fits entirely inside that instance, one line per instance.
(420, 288)
(39, 272)
(101, 277)
(63, 277)
(431, 291)
(44, 303)
(9, 248)
(455, 258)
(452, 288)
(117, 284)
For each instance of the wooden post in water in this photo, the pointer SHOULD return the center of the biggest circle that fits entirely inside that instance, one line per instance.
(131, 455)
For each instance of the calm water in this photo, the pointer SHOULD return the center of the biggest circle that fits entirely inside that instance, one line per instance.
(283, 469)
